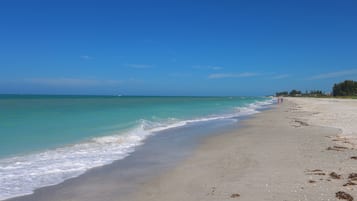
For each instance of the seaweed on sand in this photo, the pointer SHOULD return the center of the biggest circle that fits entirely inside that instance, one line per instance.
(353, 176)
(345, 196)
(334, 175)
(235, 195)
(349, 183)
(336, 148)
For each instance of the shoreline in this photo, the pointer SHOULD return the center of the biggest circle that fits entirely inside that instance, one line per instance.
(22, 174)
(273, 155)
(159, 153)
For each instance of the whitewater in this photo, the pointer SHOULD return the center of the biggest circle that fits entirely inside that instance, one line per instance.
(24, 170)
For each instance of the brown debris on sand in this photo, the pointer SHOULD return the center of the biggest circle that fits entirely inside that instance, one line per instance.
(349, 183)
(312, 181)
(235, 195)
(345, 196)
(334, 175)
(340, 147)
(354, 157)
(353, 176)
(301, 123)
(315, 172)
(212, 191)
(344, 140)
(337, 148)
(298, 123)
(333, 149)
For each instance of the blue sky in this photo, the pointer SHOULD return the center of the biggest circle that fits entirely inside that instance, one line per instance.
(176, 47)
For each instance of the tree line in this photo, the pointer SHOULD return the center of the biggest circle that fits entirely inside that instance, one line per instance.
(295, 92)
(345, 88)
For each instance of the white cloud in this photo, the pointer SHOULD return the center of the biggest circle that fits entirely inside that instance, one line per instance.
(86, 57)
(334, 74)
(139, 66)
(72, 82)
(208, 67)
(216, 67)
(231, 75)
(282, 76)
(180, 74)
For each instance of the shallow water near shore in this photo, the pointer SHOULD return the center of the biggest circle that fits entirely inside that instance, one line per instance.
(51, 139)
(158, 154)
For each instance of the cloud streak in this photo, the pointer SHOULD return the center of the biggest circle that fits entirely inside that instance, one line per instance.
(208, 67)
(86, 57)
(180, 75)
(231, 75)
(139, 66)
(278, 77)
(72, 82)
(334, 74)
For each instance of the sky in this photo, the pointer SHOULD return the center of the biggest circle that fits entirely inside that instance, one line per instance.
(195, 47)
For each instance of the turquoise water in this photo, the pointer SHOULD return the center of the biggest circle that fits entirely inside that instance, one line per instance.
(47, 139)
(31, 123)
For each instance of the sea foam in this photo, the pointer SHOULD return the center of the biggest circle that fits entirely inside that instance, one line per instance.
(21, 175)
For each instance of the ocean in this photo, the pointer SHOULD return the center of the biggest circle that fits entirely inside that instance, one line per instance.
(45, 140)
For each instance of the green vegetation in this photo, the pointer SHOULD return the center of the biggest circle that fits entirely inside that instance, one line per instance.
(282, 93)
(346, 89)
(294, 93)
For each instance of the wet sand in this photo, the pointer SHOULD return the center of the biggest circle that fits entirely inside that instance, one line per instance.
(276, 155)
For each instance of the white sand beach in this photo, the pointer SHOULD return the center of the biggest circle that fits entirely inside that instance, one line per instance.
(298, 150)
(282, 154)
(336, 113)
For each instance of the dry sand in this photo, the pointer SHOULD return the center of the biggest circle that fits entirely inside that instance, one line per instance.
(336, 113)
(278, 155)
(284, 154)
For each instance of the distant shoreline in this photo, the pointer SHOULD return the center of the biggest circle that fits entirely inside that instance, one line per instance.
(279, 154)
(66, 136)
(114, 96)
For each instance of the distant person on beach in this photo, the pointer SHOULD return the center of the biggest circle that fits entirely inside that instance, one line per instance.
(279, 100)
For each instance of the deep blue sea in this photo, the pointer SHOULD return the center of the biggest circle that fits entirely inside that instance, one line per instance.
(45, 140)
